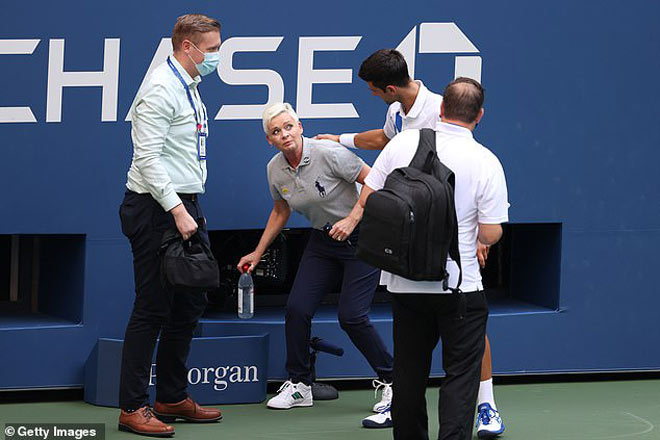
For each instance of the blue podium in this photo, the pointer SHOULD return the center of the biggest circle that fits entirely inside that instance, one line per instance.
(221, 370)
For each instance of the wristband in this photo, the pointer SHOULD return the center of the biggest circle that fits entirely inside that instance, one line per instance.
(347, 140)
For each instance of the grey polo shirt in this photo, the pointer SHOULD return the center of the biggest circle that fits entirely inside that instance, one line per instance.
(322, 187)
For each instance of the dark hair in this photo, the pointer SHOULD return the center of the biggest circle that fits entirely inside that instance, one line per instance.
(385, 67)
(463, 99)
(187, 27)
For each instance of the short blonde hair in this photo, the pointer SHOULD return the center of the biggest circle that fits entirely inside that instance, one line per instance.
(188, 26)
(276, 109)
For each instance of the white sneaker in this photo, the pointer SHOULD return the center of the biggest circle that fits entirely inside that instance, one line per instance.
(291, 394)
(381, 420)
(489, 422)
(385, 398)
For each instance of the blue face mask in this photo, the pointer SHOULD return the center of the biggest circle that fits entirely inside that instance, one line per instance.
(210, 63)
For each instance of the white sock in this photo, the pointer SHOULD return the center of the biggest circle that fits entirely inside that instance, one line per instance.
(486, 393)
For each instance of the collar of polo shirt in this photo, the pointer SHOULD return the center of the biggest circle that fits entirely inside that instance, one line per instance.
(422, 93)
(454, 129)
(304, 160)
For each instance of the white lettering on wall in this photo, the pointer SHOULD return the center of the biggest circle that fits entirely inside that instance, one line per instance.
(426, 38)
(162, 52)
(408, 48)
(17, 47)
(194, 376)
(469, 67)
(245, 77)
(107, 79)
(219, 384)
(251, 369)
(216, 375)
(308, 76)
(442, 38)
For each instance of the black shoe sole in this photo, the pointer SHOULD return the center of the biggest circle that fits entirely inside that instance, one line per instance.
(373, 425)
(126, 428)
(488, 435)
(169, 418)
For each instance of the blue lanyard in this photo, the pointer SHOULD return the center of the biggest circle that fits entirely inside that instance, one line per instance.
(190, 99)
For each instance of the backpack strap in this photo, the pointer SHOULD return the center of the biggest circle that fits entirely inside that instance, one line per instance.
(456, 256)
(424, 159)
(425, 154)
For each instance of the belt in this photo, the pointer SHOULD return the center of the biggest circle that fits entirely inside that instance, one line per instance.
(191, 197)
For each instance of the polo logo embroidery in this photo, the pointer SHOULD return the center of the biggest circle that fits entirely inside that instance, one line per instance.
(285, 190)
(319, 188)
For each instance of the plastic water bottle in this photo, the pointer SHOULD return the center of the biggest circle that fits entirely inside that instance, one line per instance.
(245, 294)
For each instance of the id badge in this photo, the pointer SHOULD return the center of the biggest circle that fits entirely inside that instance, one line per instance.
(201, 145)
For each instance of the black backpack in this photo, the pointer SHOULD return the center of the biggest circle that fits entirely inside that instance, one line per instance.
(409, 227)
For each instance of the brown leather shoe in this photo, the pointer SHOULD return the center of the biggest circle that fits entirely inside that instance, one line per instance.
(143, 422)
(188, 410)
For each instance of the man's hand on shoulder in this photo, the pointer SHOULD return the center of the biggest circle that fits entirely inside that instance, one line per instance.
(331, 137)
(186, 225)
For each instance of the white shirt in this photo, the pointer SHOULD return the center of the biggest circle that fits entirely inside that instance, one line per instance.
(480, 196)
(425, 113)
(164, 133)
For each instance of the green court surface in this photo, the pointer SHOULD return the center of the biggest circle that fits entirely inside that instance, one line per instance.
(627, 409)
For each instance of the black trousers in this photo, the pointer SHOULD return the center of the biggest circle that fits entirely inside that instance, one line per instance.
(419, 321)
(155, 310)
(324, 262)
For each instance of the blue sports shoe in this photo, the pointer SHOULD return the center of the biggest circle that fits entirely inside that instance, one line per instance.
(489, 422)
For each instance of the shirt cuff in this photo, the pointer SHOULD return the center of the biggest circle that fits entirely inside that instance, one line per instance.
(169, 201)
(347, 140)
(493, 220)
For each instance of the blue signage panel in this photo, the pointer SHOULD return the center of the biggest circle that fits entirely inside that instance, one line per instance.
(220, 371)
(572, 110)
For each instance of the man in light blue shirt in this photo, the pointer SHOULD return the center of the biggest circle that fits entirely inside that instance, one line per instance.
(164, 133)
(168, 172)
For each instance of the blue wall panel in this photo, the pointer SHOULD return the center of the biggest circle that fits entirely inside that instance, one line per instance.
(572, 111)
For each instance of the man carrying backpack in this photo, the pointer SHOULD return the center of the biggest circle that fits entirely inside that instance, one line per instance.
(425, 311)
(412, 106)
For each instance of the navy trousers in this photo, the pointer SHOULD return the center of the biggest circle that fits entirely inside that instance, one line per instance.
(323, 263)
(155, 310)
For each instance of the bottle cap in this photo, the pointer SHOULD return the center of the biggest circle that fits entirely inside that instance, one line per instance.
(246, 266)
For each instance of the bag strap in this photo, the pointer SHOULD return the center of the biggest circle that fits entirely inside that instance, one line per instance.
(423, 160)
(207, 249)
(425, 154)
(172, 235)
(456, 256)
